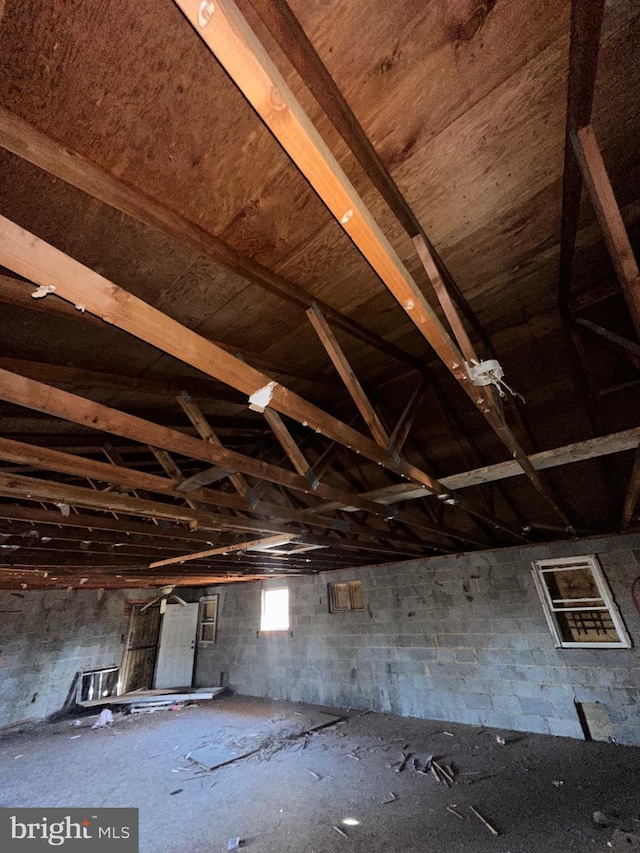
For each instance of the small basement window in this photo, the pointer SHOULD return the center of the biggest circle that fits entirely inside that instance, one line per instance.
(275, 610)
(208, 619)
(578, 604)
(345, 595)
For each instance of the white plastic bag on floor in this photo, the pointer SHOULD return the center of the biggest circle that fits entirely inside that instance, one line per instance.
(104, 719)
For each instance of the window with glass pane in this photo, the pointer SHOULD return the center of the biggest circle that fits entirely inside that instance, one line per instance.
(578, 603)
(208, 619)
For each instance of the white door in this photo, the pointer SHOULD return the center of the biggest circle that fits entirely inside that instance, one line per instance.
(177, 645)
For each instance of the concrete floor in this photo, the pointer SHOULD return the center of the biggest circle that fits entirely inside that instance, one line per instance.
(540, 792)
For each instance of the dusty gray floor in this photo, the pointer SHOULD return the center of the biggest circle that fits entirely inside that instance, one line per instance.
(539, 791)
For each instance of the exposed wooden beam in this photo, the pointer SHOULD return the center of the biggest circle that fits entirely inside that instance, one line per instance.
(586, 25)
(288, 444)
(286, 30)
(353, 386)
(633, 492)
(405, 421)
(444, 298)
(21, 138)
(629, 348)
(27, 392)
(13, 292)
(229, 37)
(31, 488)
(592, 448)
(207, 434)
(35, 515)
(594, 174)
(43, 264)
(224, 549)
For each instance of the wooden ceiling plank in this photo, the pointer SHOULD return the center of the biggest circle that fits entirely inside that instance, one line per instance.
(633, 493)
(231, 40)
(584, 47)
(596, 179)
(224, 549)
(293, 41)
(353, 386)
(24, 140)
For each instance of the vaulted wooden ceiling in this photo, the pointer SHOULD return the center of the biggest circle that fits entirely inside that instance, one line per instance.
(185, 262)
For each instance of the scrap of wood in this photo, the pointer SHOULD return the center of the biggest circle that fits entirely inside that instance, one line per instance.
(224, 549)
(340, 831)
(452, 809)
(315, 775)
(392, 798)
(491, 829)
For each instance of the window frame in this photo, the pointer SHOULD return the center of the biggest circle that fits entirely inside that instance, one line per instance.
(331, 597)
(202, 621)
(540, 567)
(265, 593)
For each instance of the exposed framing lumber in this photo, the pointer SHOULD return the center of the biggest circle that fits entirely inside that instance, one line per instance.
(633, 492)
(27, 392)
(229, 37)
(630, 349)
(586, 26)
(225, 549)
(207, 434)
(288, 444)
(405, 421)
(594, 174)
(24, 140)
(41, 263)
(446, 303)
(128, 527)
(353, 386)
(286, 30)
(592, 448)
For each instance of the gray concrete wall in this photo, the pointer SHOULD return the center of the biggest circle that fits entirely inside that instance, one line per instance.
(47, 637)
(458, 638)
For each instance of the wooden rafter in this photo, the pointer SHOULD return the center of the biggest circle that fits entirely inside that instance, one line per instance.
(288, 444)
(229, 37)
(404, 423)
(633, 492)
(43, 264)
(224, 549)
(580, 451)
(290, 36)
(584, 47)
(353, 386)
(21, 138)
(206, 433)
(594, 174)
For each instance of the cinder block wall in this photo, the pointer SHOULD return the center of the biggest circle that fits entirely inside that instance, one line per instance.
(47, 637)
(458, 638)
